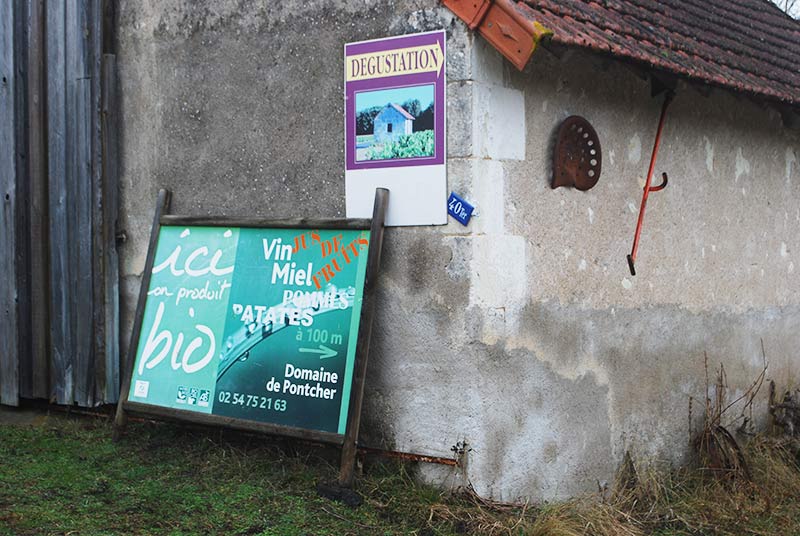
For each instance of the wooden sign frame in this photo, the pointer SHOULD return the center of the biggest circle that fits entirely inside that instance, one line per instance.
(348, 441)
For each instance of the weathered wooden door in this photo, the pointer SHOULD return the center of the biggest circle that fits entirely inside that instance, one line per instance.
(58, 289)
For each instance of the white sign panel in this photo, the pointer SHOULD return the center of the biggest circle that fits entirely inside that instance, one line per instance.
(395, 127)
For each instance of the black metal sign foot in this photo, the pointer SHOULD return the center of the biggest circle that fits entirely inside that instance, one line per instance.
(335, 492)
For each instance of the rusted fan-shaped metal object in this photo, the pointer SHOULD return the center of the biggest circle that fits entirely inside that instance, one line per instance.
(577, 160)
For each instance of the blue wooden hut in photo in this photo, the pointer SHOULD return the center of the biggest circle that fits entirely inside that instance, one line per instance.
(391, 123)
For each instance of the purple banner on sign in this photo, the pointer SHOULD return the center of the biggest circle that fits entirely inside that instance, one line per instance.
(395, 102)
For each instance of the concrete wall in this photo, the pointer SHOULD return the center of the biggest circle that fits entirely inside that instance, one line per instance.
(523, 334)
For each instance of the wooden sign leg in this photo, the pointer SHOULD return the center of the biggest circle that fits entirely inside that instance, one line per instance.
(162, 207)
(347, 467)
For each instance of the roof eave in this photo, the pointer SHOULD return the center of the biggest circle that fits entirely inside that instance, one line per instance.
(508, 26)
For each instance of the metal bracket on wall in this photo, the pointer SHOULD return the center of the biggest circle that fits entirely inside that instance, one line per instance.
(647, 184)
(578, 159)
(502, 24)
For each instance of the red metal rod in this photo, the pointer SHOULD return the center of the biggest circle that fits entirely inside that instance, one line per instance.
(410, 456)
(648, 180)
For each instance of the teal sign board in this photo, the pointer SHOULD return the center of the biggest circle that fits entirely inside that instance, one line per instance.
(258, 324)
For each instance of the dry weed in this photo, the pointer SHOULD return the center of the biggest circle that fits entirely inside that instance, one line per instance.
(472, 514)
(655, 500)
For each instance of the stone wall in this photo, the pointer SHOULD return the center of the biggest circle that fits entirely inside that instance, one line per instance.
(523, 334)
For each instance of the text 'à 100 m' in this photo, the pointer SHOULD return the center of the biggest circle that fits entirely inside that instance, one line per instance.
(251, 401)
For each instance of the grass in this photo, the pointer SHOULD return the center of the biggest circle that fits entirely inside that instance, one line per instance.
(66, 477)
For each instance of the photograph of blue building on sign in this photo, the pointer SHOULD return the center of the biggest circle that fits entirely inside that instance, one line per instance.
(395, 123)
(391, 123)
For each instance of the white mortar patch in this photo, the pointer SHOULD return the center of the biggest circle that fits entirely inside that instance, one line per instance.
(709, 155)
(498, 122)
(626, 283)
(742, 165)
(635, 149)
(791, 160)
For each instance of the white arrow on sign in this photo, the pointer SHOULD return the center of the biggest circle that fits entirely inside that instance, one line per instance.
(395, 62)
(323, 350)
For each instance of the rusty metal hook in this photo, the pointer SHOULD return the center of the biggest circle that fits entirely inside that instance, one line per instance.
(664, 182)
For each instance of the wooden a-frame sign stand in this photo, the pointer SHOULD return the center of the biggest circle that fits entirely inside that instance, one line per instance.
(348, 440)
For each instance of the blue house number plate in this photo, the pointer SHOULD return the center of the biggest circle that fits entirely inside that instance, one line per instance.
(459, 209)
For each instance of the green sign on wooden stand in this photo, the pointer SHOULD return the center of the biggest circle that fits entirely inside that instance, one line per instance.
(254, 324)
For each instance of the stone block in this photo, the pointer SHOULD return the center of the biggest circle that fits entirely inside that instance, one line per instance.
(498, 122)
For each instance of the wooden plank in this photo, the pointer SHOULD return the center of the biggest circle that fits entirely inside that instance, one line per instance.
(81, 236)
(22, 202)
(79, 93)
(107, 265)
(299, 223)
(162, 207)
(232, 422)
(107, 243)
(60, 288)
(348, 460)
(109, 14)
(37, 177)
(98, 379)
(9, 379)
(98, 343)
(104, 355)
(99, 350)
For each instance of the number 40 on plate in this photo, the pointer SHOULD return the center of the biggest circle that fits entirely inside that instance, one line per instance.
(459, 209)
